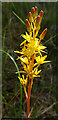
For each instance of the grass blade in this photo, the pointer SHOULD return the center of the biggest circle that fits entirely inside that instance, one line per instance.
(49, 39)
(13, 6)
(18, 17)
(20, 82)
(3, 42)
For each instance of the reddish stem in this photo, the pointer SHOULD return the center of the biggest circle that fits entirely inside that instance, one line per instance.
(28, 99)
(28, 107)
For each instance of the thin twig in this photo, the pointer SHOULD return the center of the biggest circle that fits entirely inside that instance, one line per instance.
(47, 109)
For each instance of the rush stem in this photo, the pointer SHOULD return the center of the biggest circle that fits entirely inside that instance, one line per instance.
(28, 99)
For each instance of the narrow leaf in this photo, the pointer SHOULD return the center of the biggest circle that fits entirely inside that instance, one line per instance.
(18, 17)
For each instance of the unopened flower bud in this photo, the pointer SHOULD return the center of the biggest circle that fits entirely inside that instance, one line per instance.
(37, 19)
(37, 22)
(36, 11)
(43, 34)
(30, 16)
(28, 25)
(41, 14)
(33, 11)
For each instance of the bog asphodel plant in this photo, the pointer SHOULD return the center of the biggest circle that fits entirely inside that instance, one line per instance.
(31, 52)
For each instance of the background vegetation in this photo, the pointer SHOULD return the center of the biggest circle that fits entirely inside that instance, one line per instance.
(44, 91)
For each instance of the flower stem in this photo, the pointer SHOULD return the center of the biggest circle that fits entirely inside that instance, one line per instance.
(28, 99)
(28, 107)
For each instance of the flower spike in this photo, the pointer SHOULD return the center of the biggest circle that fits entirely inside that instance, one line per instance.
(32, 52)
(32, 49)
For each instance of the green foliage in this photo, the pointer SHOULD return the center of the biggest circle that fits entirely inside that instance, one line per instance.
(20, 83)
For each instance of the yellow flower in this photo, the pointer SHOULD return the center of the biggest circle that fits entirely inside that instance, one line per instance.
(32, 48)
(26, 37)
(23, 80)
(36, 72)
(41, 60)
(25, 60)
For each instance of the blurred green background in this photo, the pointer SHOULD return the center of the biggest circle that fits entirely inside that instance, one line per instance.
(44, 88)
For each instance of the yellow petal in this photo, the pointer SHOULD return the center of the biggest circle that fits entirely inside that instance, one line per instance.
(46, 61)
(20, 78)
(16, 51)
(43, 51)
(36, 75)
(39, 53)
(26, 60)
(24, 36)
(38, 71)
(42, 47)
(18, 58)
(35, 64)
(21, 72)
(24, 66)
(22, 59)
(23, 42)
(23, 76)
(43, 58)
(38, 58)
